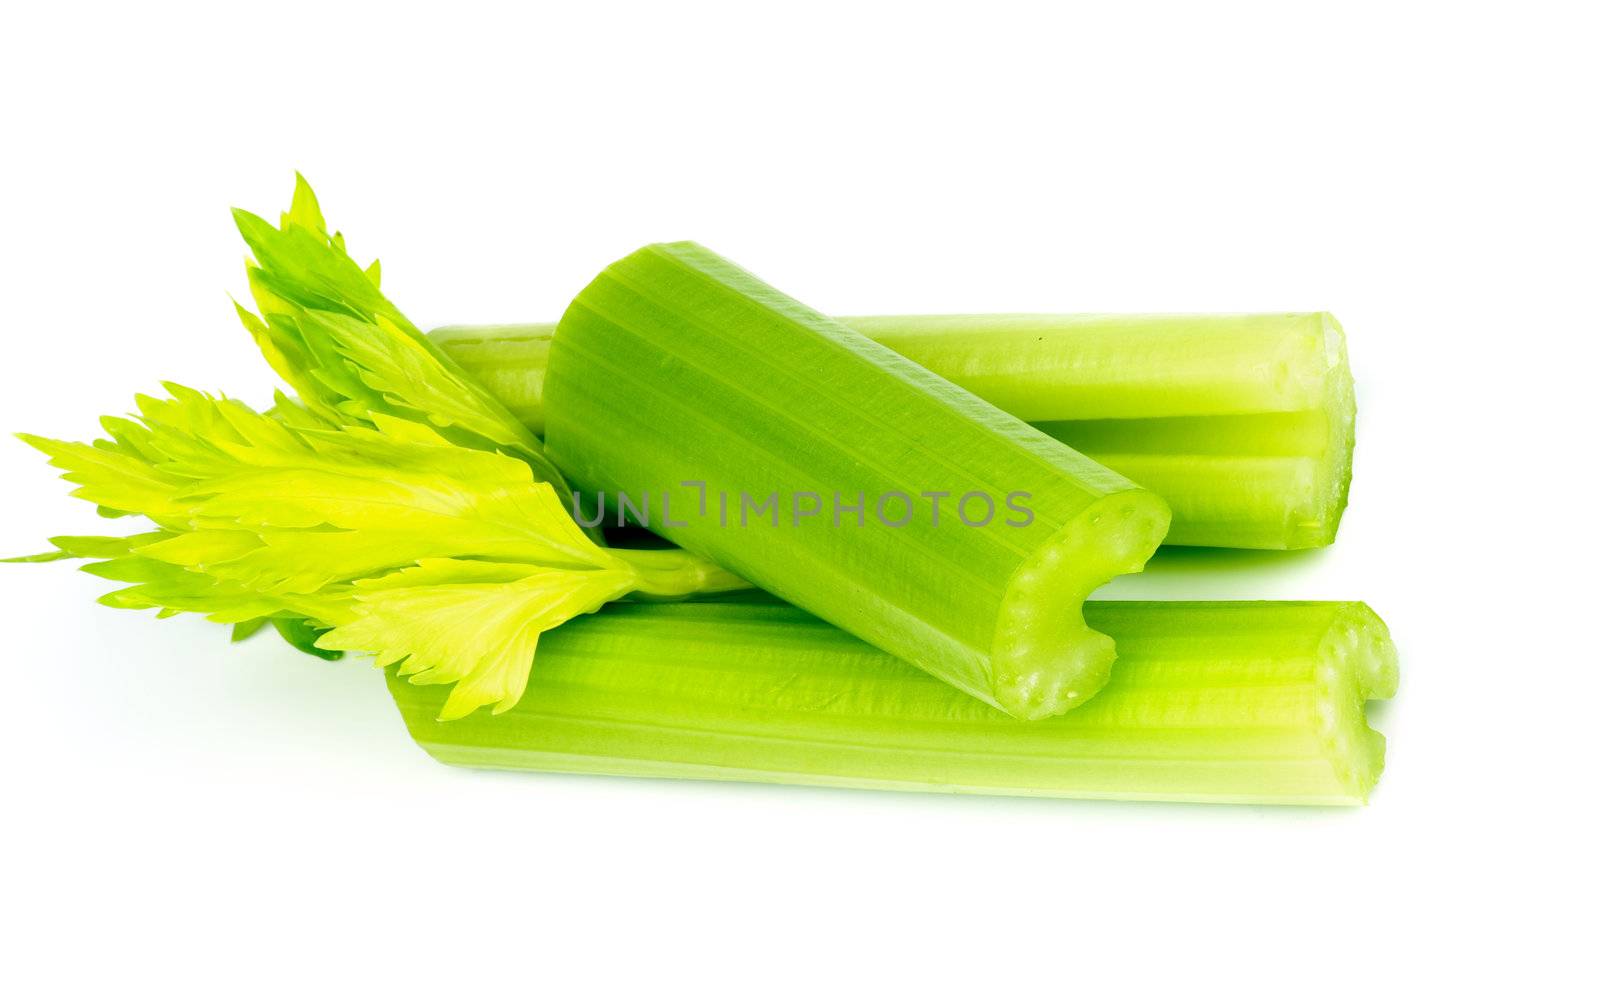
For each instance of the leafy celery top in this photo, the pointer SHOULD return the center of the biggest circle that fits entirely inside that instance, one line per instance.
(391, 506)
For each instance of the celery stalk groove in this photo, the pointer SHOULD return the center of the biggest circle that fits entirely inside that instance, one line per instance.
(676, 368)
(1251, 702)
(1244, 424)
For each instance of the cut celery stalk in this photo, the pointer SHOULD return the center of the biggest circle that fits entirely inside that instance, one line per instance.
(1253, 702)
(1244, 424)
(679, 379)
(508, 360)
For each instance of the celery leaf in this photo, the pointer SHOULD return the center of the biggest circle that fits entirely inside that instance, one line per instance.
(348, 352)
(469, 622)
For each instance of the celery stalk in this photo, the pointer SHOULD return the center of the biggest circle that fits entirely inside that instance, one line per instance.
(675, 369)
(1244, 424)
(1252, 702)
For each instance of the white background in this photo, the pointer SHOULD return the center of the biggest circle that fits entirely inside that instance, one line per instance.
(191, 823)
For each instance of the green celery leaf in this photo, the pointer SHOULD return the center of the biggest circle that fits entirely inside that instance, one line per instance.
(447, 558)
(472, 623)
(248, 629)
(302, 635)
(348, 352)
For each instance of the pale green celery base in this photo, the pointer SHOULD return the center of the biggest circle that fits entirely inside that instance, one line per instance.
(1243, 423)
(1236, 702)
(664, 574)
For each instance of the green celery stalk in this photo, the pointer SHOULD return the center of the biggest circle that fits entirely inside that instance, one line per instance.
(1251, 702)
(675, 369)
(1244, 424)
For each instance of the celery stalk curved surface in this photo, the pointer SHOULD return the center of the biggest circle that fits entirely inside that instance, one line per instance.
(678, 378)
(1253, 702)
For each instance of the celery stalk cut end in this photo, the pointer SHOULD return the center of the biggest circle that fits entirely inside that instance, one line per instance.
(1046, 659)
(1356, 662)
(1319, 524)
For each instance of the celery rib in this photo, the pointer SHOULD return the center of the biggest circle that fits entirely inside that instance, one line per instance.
(1243, 423)
(675, 368)
(1247, 702)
